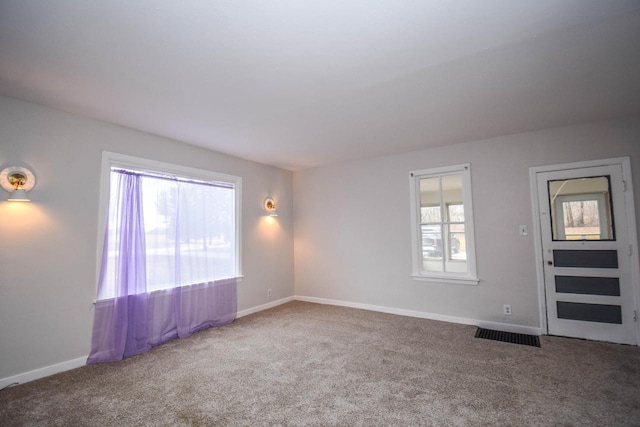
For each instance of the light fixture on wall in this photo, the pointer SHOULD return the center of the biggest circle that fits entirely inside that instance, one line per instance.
(17, 181)
(270, 206)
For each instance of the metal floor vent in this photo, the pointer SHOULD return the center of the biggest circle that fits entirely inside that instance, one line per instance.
(511, 337)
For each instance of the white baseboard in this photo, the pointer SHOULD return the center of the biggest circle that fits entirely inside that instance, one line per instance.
(36, 374)
(76, 363)
(507, 327)
(266, 306)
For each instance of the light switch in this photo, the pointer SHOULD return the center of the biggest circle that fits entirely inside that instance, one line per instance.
(523, 230)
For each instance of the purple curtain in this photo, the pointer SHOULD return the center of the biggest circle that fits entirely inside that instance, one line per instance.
(130, 320)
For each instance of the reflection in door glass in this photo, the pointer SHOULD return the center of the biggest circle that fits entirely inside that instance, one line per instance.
(581, 209)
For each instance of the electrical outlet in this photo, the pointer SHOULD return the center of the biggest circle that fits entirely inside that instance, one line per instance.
(523, 230)
(269, 293)
(507, 309)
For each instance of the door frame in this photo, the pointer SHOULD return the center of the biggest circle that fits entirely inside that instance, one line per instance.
(625, 163)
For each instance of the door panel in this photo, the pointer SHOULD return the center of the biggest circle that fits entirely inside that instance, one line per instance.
(585, 258)
(585, 243)
(588, 285)
(603, 313)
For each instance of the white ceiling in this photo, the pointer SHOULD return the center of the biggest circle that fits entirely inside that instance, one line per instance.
(303, 83)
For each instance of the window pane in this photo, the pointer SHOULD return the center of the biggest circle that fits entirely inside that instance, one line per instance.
(458, 242)
(456, 255)
(581, 209)
(456, 213)
(432, 248)
(430, 211)
(189, 233)
(430, 214)
(452, 195)
(190, 230)
(431, 242)
(159, 198)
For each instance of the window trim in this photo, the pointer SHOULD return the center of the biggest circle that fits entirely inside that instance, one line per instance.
(111, 159)
(468, 278)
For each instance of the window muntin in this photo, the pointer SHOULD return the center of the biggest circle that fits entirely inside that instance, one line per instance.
(443, 226)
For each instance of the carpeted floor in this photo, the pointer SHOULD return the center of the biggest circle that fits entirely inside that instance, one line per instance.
(309, 364)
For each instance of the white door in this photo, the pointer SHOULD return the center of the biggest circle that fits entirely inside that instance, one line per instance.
(587, 254)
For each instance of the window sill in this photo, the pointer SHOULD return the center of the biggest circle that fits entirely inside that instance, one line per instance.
(473, 281)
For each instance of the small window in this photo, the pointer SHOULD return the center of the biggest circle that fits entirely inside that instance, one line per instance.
(442, 223)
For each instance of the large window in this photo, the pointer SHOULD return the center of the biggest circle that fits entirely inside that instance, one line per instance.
(188, 224)
(442, 225)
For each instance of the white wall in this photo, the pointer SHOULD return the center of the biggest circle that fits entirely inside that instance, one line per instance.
(352, 231)
(48, 247)
(353, 234)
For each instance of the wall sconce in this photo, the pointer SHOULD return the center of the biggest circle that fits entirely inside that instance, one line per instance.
(17, 181)
(270, 206)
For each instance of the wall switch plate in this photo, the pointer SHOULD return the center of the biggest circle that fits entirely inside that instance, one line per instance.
(507, 309)
(523, 230)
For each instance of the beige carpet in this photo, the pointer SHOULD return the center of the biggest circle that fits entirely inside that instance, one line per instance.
(309, 364)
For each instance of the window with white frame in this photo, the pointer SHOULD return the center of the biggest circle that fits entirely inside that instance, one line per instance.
(442, 225)
(188, 223)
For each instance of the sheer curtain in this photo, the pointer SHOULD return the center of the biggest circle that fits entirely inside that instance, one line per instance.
(168, 263)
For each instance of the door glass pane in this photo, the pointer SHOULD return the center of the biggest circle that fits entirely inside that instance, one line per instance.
(575, 225)
(581, 209)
